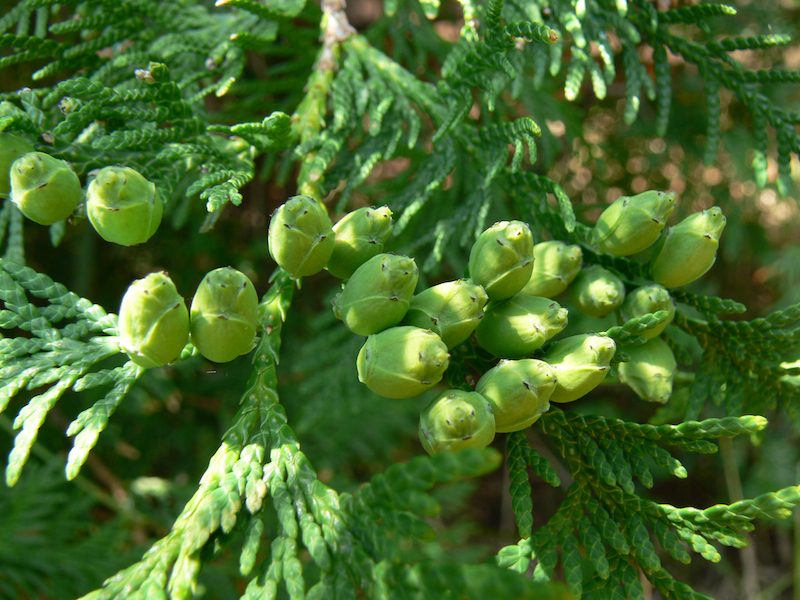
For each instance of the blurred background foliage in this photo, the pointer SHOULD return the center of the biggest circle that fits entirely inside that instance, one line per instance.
(146, 464)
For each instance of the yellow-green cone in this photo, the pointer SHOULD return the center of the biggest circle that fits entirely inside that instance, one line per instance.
(123, 206)
(519, 391)
(360, 235)
(597, 292)
(516, 327)
(688, 249)
(224, 315)
(153, 321)
(44, 188)
(633, 223)
(647, 299)
(11, 148)
(650, 371)
(451, 309)
(501, 259)
(555, 265)
(456, 420)
(301, 238)
(580, 362)
(402, 362)
(378, 294)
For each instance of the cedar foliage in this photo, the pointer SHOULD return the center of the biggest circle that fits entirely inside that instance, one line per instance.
(204, 99)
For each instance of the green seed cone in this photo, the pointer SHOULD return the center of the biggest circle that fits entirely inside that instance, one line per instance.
(224, 315)
(555, 265)
(519, 391)
(597, 292)
(301, 238)
(650, 370)
(516, 327)
(581, 362)
(402, 362)
(153, 321)
(360, 235)
(452, 310)
(633, 223)
(123, 206)
(44, 188)
(11, 148)
(688, 249)
(647, 299)
(378, 294)
(456, 420)
(501, 260)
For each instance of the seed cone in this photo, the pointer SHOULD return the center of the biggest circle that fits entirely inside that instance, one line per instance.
(153, 321)
(224, 315)
(451, 309)
(360, 235)
(633, 223)
(456, 420)
(648, 299)
(402, 362)
(44, 188)
(123, 206)
(519, 391)
(581, 362)
(555, 265)
(501, 259)
(516, 327)
(650, 371)
(378, 294)
(597, 292)
(301, 238)
(11, 148)
(688, 249)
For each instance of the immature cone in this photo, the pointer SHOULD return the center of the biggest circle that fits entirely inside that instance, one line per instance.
(688, 249)
(633, 223)
(519, 391)
(555, 265)
(11, 148)
(648, 299)
(224, 315)
(452, 310)
(501, 260)
(44, 188)
(301, 238)
(402, 362)
(123, 206)
(650, 370)
(153, 321)
(597, 292)
(378, 294)
(516, 327)
(360, 235)
(456, 420)
(581, 362)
